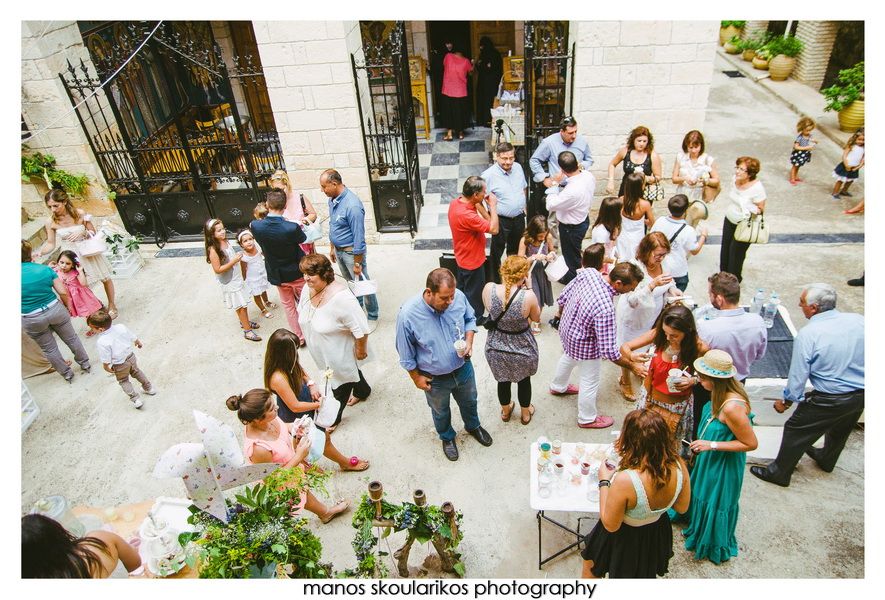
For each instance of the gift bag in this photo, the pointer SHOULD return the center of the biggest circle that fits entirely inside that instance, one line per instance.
(557, 269)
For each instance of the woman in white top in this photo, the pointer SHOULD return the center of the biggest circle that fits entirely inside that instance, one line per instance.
(636, 216)
(638, 310)
(694, 170)
(336, 330)
(746, 197)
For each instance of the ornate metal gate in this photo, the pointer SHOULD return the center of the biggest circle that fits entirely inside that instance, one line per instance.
(172, 139)
(387, 117)
(549, 85)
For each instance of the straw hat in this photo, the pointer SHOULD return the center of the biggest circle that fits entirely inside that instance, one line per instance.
(715, 363)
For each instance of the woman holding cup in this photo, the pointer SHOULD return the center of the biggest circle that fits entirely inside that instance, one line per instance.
(668, 384)
(511, 348)
(633, 537)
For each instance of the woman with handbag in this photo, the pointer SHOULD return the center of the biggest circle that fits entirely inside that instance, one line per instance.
(746, 202)
(336, 330)
(696, 175)
(296, 393)
(638, 310)
(638, 156)
(69, 227)
(511, 348)
(724, 438)
(298, 208)
(267, 439)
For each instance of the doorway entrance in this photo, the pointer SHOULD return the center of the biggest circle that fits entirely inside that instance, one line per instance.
(438, 33)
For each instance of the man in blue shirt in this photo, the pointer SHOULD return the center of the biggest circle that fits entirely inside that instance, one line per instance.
(549, 150)
(828, 352)
(434, 339)
(506, 180)
(347, 234)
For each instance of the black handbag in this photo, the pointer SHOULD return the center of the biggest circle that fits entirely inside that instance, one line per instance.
(492, 324)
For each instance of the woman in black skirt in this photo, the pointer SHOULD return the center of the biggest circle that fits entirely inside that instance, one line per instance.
(633, 538)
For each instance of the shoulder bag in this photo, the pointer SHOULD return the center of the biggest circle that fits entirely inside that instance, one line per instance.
(92, 245)
(752, 230)
(492, 324)
(653, 191)
(313, 231)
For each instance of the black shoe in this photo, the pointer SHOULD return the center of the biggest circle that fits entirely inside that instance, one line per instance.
(763, 474)
(450, 450)
(815, 453)
(554, 322)
(482, 436)
(856, 282)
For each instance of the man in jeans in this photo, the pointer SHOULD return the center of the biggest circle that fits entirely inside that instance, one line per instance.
(506, 180)
(572, 206)
(44, 310)
(428, 327)
(347, 234)
(588, 335)
(470, 222)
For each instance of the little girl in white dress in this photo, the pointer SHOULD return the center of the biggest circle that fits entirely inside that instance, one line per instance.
(256, 273)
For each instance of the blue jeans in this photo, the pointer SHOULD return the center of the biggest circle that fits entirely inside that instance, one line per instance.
(345, 264)
(460, 384)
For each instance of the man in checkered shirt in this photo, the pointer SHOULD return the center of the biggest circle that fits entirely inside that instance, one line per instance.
(588, 334)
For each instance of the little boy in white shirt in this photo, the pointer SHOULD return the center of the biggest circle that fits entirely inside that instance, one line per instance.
(684, 240)
(117, 356)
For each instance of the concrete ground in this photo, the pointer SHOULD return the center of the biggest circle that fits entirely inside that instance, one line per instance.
(92, 446)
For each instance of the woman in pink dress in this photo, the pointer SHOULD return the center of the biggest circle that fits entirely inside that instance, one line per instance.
(298, 207)
(455, 107)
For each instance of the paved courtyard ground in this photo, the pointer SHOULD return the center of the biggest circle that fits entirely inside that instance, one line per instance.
(92, 446)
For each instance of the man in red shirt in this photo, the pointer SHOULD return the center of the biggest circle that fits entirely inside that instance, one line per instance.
(470, 222)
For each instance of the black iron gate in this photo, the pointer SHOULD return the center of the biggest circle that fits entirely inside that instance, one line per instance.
(173, 141)
(387, 116)
(549, 85)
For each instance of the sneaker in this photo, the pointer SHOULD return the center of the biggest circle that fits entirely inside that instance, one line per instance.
(554, 322)
(835, 196)
(151, 392)
(844, 193)
(570, 390)
(856, 282)
(138, 403)
(600, 422)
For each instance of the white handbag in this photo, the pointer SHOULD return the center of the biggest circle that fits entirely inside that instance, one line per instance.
(363, 286)
(557, 269)
(92, 245)
(312, 231)
(327, 412)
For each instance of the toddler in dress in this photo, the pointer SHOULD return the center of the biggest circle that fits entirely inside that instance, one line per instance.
(83, 301)
(255, 272)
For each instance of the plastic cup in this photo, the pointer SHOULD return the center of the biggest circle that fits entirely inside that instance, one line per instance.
(585, 468)
(545, 450)
(542, 463)
(557, 446)
(673, 375)
(544, 491)
(558, 467)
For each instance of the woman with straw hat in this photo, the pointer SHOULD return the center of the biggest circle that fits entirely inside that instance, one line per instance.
(724, 438)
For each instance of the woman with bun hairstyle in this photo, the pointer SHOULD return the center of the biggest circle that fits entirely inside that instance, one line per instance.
(267, 439)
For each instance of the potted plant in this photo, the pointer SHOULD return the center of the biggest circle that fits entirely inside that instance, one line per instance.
(729, 29)
(751, 44)
(763, 56)
(846, 97)
(784, 51)
(733, 45)
(261, 538)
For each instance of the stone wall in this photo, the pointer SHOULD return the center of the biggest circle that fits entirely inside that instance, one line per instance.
(812, 62)
(310, 84)
(656, 74)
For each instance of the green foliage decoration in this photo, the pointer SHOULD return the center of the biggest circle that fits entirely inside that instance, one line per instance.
(848, 88)
(42, 166)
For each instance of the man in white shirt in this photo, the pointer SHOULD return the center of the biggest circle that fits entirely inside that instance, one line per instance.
(117, 356)
(684, 240)
(572, 206)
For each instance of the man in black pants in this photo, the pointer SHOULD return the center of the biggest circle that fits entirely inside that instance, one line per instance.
(828, 352)
(506, 180)
(572, 206)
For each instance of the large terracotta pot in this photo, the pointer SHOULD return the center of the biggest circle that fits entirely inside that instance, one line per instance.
(726, 33)
(760, 63)
(748, 55)
(781, 66)
(851, 118)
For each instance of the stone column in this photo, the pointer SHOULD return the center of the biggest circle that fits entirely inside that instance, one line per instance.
(630, 73)
(812, 62)
(753, 28)
(310, 83)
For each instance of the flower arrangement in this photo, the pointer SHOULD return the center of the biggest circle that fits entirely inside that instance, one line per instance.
(261, 533)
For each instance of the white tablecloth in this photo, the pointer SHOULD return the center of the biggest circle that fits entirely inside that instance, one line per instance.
(575, 497)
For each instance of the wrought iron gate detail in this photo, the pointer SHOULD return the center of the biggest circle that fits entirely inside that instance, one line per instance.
(387, 118)
(167, 131)
(549, 85)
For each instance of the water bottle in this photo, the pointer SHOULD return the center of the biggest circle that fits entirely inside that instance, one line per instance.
(770, 309)
(758, 301)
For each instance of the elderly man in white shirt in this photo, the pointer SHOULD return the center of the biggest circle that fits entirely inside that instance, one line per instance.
(740, 333)
(572, 206)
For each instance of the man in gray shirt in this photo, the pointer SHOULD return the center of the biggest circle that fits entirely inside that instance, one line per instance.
(742, 334)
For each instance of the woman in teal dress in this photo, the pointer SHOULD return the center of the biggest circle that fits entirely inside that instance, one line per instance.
(725, 435)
